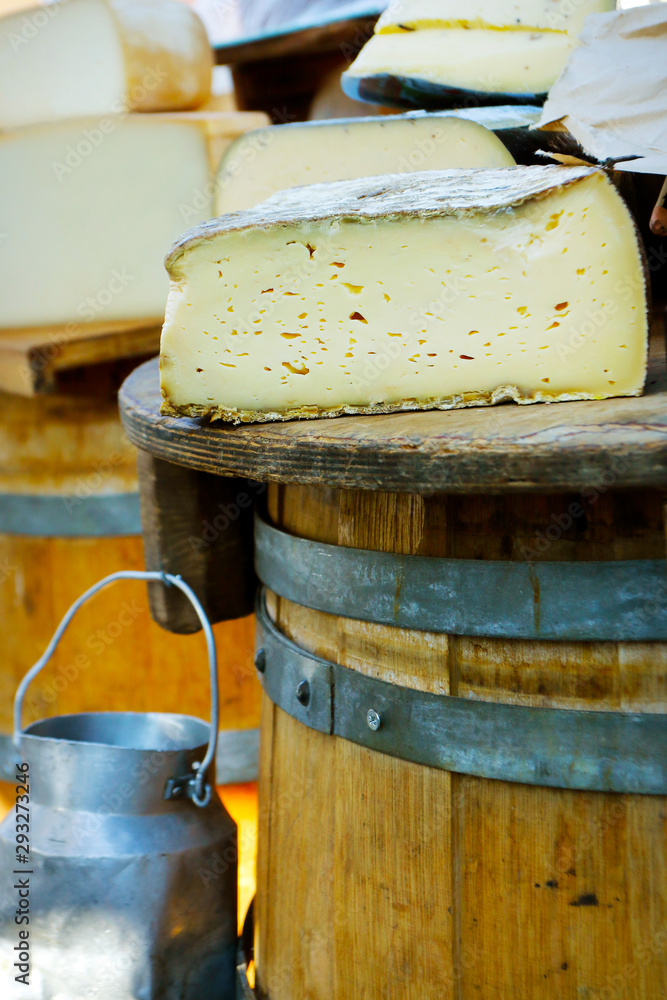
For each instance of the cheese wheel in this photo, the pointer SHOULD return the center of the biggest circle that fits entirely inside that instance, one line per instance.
(529, 15)
(432, 290)
(515, 48)
(95, 203)
(76, 58)
(261, 163)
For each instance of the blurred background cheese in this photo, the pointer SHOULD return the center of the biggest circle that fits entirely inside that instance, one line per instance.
(436, 289)
(283, 156)
(522, 63)
(499, 48)
(95, 57)
(528, 15)
(94, 205)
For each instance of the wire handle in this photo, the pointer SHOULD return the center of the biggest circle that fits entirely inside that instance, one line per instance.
(195, 787)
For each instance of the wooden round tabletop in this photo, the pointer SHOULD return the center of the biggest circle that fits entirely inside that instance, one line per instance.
(615, 443)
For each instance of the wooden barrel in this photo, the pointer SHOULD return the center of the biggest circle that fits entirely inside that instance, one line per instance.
(463, 647)
(382, 877)
(69, 515)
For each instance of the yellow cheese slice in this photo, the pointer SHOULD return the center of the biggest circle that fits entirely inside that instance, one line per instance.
(432, 290)
(529, 15)
(479, 59)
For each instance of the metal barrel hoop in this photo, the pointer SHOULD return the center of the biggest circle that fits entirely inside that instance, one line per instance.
(198, 789)
(549, 747)
(108, 515)
(612, 601)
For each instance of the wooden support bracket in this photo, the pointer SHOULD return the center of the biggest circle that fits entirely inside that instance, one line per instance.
(198, 526)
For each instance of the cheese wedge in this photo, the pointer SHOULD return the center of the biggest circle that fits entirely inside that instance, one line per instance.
(529, 15)
(516, 63)
(432, 290)
(283, 156)
(75, 58)
(517, 48)
(91, 206)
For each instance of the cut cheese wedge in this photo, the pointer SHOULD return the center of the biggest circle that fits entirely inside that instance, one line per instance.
(528, 15)
(432, 290)
(433, 53)
(283, 156)
(481, 61)
(92, 205)
(76, 58)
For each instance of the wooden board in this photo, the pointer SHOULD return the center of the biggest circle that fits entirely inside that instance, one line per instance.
(199, 527)
(326, 33)
(507, 448)
(30, 358)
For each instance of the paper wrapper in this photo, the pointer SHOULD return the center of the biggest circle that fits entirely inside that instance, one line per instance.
(612, 95)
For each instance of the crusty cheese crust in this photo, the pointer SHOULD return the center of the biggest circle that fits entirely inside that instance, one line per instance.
(391, 196)
(503, 394)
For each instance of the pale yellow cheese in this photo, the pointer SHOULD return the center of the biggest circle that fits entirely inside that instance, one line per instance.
(517, 47)
(432, 290)
(479, 59)
(529, 15)
(283, 156)
(76, 58)
(91, 206)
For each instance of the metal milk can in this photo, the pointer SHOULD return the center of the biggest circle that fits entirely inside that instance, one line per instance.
(123, 885)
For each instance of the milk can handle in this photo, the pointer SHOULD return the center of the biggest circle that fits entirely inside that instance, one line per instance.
(195, 787)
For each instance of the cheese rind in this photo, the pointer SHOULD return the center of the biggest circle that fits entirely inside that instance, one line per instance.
(435, 290)
(76, 58)
(527, 15)
(479, 60)
(261, 163)
(94, 205)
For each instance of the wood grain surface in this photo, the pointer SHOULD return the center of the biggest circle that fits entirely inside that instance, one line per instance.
(378, 878)
(32, 357)
(498, 449)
